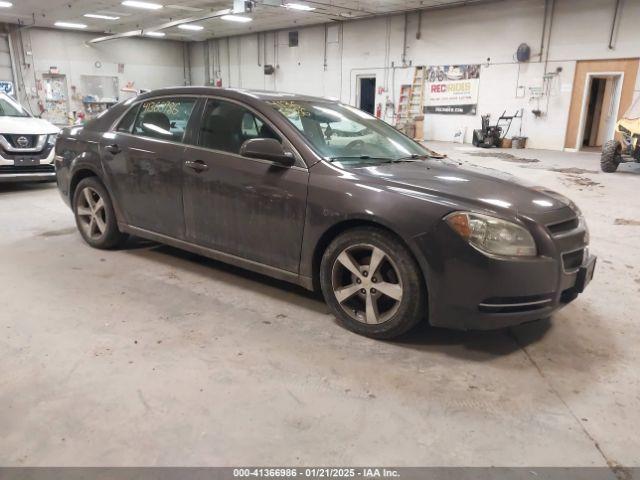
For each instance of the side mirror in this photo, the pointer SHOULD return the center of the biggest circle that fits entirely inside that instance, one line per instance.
(267, 149)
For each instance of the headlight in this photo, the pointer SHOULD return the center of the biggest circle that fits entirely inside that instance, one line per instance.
(51, 139)
(493, 235)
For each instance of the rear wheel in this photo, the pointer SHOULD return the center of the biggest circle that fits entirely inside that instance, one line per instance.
(611, 156)
(94, 214)
(372, 283)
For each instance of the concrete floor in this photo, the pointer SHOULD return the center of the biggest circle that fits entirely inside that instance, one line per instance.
(150, 356)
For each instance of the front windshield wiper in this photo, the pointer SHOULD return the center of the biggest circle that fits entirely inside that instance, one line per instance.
(415, 156)
(359, 157)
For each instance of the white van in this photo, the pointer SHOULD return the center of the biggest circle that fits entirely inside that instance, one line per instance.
(26, 144)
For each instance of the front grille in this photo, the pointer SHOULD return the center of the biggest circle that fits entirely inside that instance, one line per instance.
(31, 140)
(564, 226)
(572, 260)
(46, 168)
(39, 155)
(515, 304)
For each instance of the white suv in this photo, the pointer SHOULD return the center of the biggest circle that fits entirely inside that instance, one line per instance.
(26, 144)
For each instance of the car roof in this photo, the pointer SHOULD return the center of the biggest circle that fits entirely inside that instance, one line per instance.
(260, 95)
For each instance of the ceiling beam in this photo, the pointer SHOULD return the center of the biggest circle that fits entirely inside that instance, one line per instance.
(174, 23)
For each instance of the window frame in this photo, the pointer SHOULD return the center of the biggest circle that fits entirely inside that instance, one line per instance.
(195, 121)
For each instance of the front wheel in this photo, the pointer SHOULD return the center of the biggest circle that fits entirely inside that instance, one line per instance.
(94, 214)
(372, 283)
(611, 156)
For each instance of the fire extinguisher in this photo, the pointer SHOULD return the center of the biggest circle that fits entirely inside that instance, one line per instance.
(379, 110)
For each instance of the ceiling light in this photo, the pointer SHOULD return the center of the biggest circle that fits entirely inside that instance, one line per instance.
(103, 17)
(184, 7)
(298, 6)
(6, 4)
(70, 25)
(138, 4)
(236, 18)
(154, 34)
(187, 26)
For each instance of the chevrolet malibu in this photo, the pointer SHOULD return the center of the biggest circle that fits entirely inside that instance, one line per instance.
(320, 194)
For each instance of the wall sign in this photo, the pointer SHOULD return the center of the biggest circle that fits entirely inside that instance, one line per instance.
(452, 89)
(7, 87)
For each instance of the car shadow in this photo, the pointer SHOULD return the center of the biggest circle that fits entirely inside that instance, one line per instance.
(476, 345)
(11, 188)
(471, 345)
(245, 279)
(554, 344)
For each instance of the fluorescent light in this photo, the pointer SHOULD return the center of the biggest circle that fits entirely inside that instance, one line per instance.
(187, 26)
(298, 6)
(97, 15)
(154, 34)
(236, 18)
(138, 4)
(184, 7)
(6, 4)
(70, 25)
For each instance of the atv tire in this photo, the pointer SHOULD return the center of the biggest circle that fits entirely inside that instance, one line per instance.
(611, 156)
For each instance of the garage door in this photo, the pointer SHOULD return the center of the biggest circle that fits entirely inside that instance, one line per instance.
(6, 72)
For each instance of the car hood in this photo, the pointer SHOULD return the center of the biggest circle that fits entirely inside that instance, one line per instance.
(489, 189)
(26, 126)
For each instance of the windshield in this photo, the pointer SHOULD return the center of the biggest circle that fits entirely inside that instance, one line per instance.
(347, 135)
(634, 110)
(10, 108)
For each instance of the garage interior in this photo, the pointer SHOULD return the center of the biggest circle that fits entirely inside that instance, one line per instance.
(150, 356)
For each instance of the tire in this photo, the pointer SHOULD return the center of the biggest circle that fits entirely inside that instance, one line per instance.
(611, 156)
(95, 218)
(365, 307)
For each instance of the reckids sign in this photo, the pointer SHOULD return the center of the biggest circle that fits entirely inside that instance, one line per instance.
(452, 89)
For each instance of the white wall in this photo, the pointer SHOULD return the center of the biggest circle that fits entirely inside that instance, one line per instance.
(149, 63)
(580, 30)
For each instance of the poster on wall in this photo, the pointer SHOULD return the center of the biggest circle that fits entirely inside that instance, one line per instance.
(6, 87)
(452, 89)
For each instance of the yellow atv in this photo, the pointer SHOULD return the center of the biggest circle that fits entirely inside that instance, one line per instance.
(613, 151)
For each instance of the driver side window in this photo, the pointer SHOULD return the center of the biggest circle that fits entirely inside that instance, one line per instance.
(227, 125)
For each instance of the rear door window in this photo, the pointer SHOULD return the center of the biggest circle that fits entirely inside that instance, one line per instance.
(164, 118)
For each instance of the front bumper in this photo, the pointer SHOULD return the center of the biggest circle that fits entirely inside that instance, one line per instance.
(471, 291)
(43, 171)
(501, 312)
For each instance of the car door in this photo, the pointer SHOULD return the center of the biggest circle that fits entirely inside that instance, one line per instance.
(251, 208)
(143, 158)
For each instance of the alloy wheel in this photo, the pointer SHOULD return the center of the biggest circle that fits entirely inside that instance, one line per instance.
(366, 284)
(91, 213)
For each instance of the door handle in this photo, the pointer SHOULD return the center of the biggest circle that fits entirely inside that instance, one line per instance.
(196, 165)
(114, 149)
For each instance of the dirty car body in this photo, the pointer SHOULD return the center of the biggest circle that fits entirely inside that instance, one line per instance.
(279, 219)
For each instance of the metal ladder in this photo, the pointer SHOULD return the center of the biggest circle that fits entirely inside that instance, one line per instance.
(412, 96)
